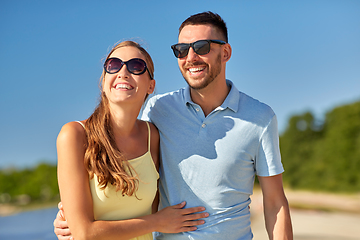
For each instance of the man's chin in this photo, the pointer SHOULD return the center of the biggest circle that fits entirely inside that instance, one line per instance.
(197, 85)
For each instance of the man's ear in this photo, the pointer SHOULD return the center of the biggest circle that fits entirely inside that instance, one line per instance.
(227, 52)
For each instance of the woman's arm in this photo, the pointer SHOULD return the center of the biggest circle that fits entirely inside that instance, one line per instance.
(77, 201)
(73, 178)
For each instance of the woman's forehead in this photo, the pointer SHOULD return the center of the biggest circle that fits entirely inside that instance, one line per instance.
(127, 53)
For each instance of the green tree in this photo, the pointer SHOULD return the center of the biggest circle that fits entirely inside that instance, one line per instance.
(323, 157)
(339, 149)
(39, 183)
(297, 149)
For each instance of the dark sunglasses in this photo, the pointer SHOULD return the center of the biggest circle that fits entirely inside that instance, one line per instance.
(135, 66)
(200, 47)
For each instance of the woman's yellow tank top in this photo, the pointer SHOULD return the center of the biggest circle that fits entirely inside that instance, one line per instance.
(109, 204)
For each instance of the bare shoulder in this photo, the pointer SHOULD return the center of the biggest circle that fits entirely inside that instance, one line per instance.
(155, 137)
(154, 144)
(72, 131)
(154, 131)
(71, 146)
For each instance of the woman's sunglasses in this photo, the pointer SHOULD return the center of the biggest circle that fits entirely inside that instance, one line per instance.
(200, 47)
(135, 66)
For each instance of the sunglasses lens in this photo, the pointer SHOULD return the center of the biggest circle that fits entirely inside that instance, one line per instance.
(201, 47)
(136, 66)
(181, 50)
(113, 65)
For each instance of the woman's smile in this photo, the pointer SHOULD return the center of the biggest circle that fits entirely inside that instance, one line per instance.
(123, 86)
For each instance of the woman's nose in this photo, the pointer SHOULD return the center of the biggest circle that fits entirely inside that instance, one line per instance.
(123, 73)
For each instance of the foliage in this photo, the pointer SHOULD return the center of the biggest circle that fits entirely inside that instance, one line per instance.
(323, 157)
(23, 186)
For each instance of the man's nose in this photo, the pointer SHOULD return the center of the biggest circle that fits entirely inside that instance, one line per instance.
(192, 55)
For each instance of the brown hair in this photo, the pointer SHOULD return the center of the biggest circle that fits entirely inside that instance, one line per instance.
(207, 18)
(102, 156)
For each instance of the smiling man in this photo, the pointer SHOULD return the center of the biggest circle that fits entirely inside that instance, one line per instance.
(214, 139)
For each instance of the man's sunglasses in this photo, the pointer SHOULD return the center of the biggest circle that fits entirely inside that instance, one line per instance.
(200, 47)
(135, 66)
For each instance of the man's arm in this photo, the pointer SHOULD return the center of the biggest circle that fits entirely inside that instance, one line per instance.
(61, 227)
(276, 208)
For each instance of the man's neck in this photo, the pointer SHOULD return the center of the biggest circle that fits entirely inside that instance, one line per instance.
(210, 97)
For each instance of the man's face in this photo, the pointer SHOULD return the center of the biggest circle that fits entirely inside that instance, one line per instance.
(200, 70)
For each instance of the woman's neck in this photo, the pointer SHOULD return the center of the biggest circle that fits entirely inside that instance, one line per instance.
(123, 120)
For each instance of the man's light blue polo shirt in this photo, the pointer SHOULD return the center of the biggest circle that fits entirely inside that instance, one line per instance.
(212, 161)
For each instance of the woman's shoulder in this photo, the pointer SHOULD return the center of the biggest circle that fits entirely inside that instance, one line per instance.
(154, 142)
(153, 130)
(72, 131)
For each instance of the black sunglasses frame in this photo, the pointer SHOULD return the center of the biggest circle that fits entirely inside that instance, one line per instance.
(185, 51)
(127, 66)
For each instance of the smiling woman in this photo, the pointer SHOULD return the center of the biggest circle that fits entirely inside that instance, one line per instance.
(130, 82)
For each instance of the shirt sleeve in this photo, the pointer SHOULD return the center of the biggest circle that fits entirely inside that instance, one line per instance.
(268, 158)
(145, 115)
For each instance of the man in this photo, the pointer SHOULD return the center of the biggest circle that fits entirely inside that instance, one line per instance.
(214, 139)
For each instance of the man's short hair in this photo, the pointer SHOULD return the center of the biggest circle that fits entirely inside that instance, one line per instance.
(207, 18)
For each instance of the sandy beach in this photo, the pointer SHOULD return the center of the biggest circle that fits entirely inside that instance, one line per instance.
(315, 216)
(6, 210)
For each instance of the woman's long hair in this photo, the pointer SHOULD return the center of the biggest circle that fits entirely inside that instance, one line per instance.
(102, 156)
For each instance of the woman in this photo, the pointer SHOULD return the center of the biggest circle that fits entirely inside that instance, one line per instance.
(107, 164)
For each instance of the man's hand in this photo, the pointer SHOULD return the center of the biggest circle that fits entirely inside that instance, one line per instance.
(61, 227)
(176, 218)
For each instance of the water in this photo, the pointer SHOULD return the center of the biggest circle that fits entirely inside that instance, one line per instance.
(32, 225)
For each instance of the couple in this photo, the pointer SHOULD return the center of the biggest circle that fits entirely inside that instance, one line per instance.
(213, 140)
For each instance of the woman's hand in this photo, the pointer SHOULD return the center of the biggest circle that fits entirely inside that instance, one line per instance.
(176, 218)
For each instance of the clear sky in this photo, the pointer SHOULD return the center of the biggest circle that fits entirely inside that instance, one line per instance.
(293, 55)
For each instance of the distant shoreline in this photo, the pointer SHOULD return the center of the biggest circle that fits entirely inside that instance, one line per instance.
(11, 209)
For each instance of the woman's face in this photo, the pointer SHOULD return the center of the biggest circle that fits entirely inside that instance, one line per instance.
(124, 87)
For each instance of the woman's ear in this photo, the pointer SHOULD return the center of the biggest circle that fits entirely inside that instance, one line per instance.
(151, 86)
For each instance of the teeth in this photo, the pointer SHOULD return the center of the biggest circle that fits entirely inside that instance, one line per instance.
(123, 86)
(193, 70)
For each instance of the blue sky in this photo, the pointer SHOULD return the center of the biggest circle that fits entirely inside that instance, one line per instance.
(293, 55)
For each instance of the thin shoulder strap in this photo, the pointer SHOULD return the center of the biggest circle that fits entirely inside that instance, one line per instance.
(81, 124)
(148, 126)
